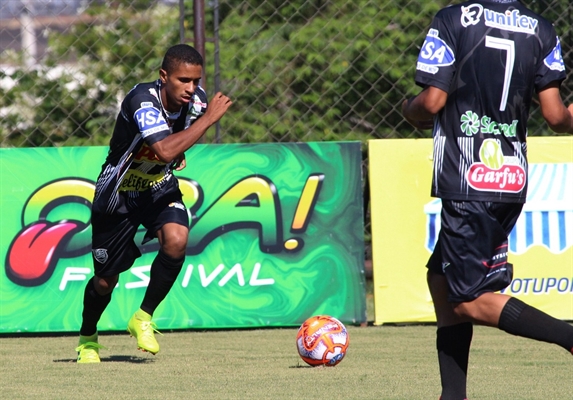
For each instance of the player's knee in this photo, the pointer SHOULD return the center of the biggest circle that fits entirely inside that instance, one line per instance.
(174, 242)
(175, 247)
(104, 286)
(463, 311)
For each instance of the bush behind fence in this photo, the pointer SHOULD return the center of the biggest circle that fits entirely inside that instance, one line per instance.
(298, 70)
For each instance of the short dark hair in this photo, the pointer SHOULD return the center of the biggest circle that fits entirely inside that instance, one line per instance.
(180, 53)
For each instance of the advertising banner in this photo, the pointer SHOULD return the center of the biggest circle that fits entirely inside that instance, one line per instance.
(406, 222)
(276, 236)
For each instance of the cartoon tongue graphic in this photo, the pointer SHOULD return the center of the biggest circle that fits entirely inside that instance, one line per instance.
(30, 260)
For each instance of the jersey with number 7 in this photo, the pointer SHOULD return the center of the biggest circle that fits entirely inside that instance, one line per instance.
(490, 57)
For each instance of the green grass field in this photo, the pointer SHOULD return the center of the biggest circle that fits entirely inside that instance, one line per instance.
(383, 362)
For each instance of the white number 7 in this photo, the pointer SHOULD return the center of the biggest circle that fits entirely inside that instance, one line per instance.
(509, 46)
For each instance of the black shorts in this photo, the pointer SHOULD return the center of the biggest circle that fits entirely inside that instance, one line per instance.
(472, 247)
(113, 246)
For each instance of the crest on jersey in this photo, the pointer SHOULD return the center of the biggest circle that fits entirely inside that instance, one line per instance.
(554, 60)
(435, 53)
(471, 15)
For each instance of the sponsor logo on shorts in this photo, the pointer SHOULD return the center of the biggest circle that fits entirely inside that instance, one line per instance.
(498, 262)
(178, 205)
(100, 255)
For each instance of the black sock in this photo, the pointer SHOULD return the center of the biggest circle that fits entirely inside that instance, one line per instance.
(523, 320)
(94, 306)
(164, 272)
(453, 344)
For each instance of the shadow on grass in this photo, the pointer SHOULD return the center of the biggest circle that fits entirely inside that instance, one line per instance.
(124, 359)
(309, 366)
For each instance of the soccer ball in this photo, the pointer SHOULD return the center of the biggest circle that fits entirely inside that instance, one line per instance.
(322, 340)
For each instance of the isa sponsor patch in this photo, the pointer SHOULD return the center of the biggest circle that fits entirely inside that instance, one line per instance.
(554, 60)
(435, 53)
(150, 120)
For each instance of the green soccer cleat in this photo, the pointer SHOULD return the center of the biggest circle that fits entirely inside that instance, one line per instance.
(88, 349)
(141, 327)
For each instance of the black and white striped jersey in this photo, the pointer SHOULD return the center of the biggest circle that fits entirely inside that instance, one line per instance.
(131, 166)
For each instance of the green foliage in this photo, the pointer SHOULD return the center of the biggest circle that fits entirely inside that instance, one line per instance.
(560, 13)
(45, 111)
(338, 73)
(301, 70)
(111, 52)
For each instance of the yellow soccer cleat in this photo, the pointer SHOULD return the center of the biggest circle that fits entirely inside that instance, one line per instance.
(143, 330)
(88, 349)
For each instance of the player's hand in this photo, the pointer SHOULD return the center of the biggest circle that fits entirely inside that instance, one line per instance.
(217, 107)
(420, 124)
(180, 163)
(429, 124)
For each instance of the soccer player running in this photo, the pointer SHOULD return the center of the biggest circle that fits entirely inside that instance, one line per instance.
(158, 121)
(478, 67)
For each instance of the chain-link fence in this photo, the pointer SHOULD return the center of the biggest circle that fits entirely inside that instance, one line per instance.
(298, 70)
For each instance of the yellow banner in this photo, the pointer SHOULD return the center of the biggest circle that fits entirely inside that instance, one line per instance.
(406, 220)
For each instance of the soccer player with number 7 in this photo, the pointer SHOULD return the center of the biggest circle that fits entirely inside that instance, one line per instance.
(479, 67)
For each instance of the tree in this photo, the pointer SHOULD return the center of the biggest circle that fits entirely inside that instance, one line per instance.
(97, 62)
(300, 70)
(319, 70)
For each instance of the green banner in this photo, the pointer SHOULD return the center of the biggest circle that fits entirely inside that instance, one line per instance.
(276, 236)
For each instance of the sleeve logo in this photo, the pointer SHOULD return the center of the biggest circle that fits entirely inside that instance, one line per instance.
(554, 60)
(435, 53)
(150, 120)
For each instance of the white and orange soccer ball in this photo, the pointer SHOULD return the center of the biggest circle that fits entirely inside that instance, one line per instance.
(322, 340)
